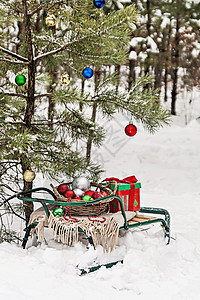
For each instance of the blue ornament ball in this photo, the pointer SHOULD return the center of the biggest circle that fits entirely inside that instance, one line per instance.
(87, 73)
(99, 3)
(2, 118)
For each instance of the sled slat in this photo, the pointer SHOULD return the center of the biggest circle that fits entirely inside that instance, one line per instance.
(140, 219)
(145, 217)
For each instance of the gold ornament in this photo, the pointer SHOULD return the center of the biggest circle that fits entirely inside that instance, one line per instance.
(29, 175)
(50, 20)
(65, 80)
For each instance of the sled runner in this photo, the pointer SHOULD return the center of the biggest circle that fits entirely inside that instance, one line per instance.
(67, 230)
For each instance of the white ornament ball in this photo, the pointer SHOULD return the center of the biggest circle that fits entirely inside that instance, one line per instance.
(81, 183)
(78, 192)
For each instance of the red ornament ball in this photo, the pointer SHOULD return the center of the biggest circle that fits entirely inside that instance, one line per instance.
(69, 194)
(130, 129)
(97, 195)
(90, 193)
(62, 188)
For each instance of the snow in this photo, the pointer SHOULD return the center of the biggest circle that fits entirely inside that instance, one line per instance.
(165, 22)
(142, 56)
(152, 45)
(167, 165)
(134, 42)
(133, 55)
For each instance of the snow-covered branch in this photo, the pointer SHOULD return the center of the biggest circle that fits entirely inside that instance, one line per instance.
(94, 34)
(13, 54)
(39, 57)
(13, 61)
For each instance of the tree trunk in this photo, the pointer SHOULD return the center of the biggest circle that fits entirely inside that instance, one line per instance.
(175, 62)
(93, 118)
(51, 106)
(167, 61)
(148, 27)
(131, 76)
(82, 92)
(158, 72)
(165, 83)
(117, 70)
(174, 91)
(29, 112)
(159, 66)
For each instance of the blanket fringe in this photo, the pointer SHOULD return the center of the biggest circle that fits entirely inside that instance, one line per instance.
(66, 231)
(39, 229)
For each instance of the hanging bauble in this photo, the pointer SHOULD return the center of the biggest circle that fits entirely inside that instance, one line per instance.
(87, 73)
(99, 3)
(20, 79)
(50, 20)
(2, 118)
(64, 79)
(58, 211)
(29, 175)
(130, 129)
(81, 183)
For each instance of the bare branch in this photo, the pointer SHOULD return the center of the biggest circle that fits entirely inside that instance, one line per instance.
(14, 95)
(14, 54)
(41, 6)
(13, 61)
(42, 123)
(42, 95)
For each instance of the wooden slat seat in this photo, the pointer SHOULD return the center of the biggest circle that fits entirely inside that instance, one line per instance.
(140, 218)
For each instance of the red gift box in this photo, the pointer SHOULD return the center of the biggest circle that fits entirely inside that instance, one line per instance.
(129, 191)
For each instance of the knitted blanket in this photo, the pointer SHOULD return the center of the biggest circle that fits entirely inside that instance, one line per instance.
(66, 231)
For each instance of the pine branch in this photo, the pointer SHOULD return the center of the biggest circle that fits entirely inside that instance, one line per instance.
(10, 198)
(91, 56)
(41, 6)
(13, 61)
(14, 95)
(15, 213)
(36, 10)
(14, 54)
(42, 95)
(39, 57)
(98, 34)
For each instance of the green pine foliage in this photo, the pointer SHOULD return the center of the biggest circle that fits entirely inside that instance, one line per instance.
(83, 36)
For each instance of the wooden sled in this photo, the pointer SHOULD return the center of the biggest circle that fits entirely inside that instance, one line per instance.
(145, 216)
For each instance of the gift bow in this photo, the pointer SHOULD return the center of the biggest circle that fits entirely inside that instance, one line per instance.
(130, 179)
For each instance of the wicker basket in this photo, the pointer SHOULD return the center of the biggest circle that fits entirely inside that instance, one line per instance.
(92, 210)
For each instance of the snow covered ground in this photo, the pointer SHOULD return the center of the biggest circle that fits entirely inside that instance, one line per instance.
(168, 166)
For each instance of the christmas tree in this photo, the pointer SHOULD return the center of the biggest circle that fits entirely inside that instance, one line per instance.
(45, 48)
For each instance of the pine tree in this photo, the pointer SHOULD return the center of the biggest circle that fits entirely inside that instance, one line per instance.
(39, 133)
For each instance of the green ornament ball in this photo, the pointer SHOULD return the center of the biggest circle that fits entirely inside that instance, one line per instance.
(20, 79)
(58, 211)
(86, 198)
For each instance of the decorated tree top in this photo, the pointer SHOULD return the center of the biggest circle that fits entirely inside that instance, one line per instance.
(44, 119)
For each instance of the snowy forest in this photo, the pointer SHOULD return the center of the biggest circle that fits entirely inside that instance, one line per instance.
(73, 75)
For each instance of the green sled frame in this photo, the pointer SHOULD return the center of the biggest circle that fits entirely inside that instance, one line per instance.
(164, 220)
